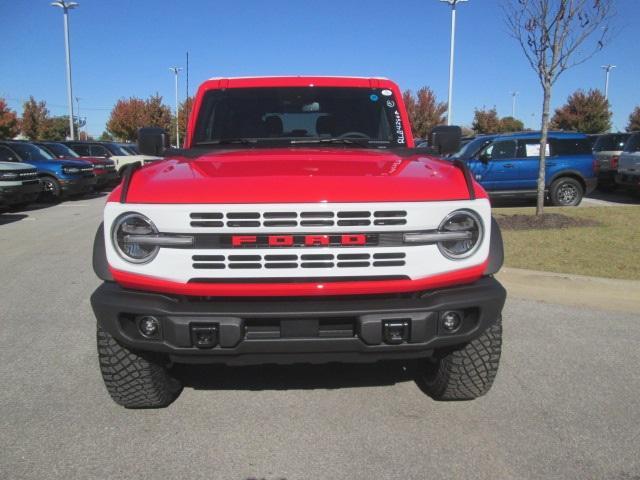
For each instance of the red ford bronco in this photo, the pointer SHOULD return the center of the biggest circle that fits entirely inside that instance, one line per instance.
(299, 224)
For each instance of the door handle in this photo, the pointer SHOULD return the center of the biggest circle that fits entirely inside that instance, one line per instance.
(508, 165)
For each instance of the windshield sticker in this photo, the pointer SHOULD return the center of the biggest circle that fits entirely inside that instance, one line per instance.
(373, 97)
(399, 128)
(386, 93)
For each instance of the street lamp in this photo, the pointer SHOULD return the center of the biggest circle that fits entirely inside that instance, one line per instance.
(453, 4)
(78, 111)
(66, 6)
(175, 71)
(607, 69)
(513, 104)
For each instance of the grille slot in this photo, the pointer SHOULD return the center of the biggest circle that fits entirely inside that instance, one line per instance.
(345, 218)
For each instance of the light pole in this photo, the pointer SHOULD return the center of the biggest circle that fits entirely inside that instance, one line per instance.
(66, 6)
(175, 71)
(78, 111)
(607, 69)
(453, 4)
(513, 104)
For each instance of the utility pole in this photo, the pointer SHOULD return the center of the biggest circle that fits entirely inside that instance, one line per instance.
(66, 6)
(607, 68)
(453, 4)
(175, 71)
(513, 104)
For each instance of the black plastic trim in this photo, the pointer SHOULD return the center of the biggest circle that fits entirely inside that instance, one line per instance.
(126, 180)
(467, 177)
(496, 249)
(100, 265)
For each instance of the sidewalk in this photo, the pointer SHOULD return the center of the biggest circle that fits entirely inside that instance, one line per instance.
(574, 290)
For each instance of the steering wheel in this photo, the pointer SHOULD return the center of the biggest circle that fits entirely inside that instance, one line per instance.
(354, 135)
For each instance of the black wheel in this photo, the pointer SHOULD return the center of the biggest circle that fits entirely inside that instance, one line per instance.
(134, 380)
(464, 373)
(566, 192)
(51, 189)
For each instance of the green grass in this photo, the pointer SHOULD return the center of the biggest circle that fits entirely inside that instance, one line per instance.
(611, 249)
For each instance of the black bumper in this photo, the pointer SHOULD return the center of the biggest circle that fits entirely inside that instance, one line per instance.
(107, 179)
(291, 330)
(27, 192)
(78, 186)
(628, 180)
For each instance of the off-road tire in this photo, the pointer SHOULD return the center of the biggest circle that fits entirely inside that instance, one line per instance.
(134, 380)
(561, 191)
(464, 373)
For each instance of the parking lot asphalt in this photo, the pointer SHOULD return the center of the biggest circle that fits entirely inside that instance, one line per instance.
(565, 403)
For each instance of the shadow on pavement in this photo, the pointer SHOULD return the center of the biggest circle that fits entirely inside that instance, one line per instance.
(6, 218)
(295, 377)
(618, 196)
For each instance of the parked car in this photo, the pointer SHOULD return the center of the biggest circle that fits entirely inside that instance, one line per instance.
(103, 168)
(59, 177)
(111, 150)
(507, 165)
(19, 182)
(629, 164)
(130, 148)
(290, 197)
(607, 150)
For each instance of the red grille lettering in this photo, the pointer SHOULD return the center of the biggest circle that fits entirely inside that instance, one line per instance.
(311, 240)
(239, 240)
(280, 240)
(353, 240)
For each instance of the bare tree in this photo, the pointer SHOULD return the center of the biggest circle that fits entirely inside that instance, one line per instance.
(556, 35)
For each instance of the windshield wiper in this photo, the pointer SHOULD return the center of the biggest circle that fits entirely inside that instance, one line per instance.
(229, 141)
(360, 142)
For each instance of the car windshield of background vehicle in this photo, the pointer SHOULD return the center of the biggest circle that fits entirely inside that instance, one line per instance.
(471, 149)
(60, 150)
(27, 152)
(633, 144)
(300, 116)
(116, 150)
(610, 143)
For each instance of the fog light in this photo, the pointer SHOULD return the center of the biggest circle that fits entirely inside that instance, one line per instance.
(149, 326)
(451, 321)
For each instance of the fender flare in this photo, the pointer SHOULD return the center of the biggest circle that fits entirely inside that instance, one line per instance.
(496, 249)
(100, 264)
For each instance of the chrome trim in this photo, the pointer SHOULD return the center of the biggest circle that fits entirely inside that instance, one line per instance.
(160, 240)
(478, 221)
(436, 237)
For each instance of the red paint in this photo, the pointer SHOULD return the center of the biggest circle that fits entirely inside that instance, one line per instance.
(142, 282)
(296, 175)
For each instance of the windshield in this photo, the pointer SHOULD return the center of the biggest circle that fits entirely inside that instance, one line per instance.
(611, 143)
(299, 116)
(60, 150)
(28, 152)
(116, 149)
(471, 148)
(130, 149)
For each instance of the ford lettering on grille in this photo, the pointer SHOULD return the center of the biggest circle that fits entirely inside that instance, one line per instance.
(317, 240)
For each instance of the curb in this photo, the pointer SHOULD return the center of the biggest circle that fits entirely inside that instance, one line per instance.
(573, 290)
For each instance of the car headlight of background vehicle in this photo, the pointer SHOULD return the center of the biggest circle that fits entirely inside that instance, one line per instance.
(70, 170)
(126, 229)
(469, 225)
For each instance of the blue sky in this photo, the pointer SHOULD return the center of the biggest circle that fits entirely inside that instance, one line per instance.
(123, 48)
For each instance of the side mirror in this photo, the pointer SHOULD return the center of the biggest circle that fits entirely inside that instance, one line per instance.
(484, 157)
(445, 139)
(152, 141)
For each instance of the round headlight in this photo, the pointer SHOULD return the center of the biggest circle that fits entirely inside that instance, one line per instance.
(461, 221)
(125, 229)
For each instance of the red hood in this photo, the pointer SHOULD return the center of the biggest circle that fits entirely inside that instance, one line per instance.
(297, 175)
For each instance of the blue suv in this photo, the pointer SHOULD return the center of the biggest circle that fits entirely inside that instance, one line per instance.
(58, 177)
(506, 165)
